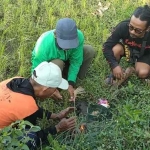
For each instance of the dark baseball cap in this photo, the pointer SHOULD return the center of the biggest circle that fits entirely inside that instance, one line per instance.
(66, 33)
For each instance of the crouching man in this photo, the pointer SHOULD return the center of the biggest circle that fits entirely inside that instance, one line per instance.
(18, 100)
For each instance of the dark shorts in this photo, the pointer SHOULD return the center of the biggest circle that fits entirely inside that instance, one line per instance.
(33, 142)
(133, 55)
(144, 59)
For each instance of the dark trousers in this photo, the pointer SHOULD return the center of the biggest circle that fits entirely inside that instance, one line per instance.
(34, 141)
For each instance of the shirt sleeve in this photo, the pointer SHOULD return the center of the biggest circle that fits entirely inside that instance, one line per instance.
(38, 114)
(76, 60)
(41, 50)
(114, 38)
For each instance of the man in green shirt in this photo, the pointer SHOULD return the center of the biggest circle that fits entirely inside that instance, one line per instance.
(64, 46)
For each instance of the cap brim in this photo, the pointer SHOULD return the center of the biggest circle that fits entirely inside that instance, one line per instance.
(64, 84)
(68, 44)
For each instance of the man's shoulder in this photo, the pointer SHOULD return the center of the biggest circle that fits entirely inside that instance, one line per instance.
(80, 35)
(124, 23)
(121, 27)
(46, 39)
(7, 80)
(47, 34)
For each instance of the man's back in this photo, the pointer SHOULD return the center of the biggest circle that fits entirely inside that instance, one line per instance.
(14, 106)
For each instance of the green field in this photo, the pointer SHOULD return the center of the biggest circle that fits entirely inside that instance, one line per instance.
(23, 21)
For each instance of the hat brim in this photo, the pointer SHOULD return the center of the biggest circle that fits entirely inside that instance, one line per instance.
(64, 84)
(68, 44)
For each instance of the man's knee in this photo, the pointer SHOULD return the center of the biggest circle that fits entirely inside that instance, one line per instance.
(59, 63)
(89, 51)
(118, 51)
(142, 73)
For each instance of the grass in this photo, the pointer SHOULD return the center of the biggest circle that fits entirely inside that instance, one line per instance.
(23, 21)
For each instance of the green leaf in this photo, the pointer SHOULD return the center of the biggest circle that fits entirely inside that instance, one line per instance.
(28, 123)
(25, 139)
(19, 133)
(25, 147)
(35, 129)
(15, 142)
(6, 140)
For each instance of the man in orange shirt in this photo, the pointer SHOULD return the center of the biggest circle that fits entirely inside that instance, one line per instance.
(18, 100)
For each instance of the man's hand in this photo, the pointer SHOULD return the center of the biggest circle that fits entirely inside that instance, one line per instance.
(56, 95)
(65, 112)
(71, 92)
(118, 72)
(66, 124)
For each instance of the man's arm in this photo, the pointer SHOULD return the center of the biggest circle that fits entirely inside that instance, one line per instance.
(41, 50)
(38, 114)
(63, 125)
(76, 60)
(116, 35)
(75, 64)
(49, 115)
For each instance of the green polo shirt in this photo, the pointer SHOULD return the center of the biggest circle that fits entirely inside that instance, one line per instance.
(46, 50)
